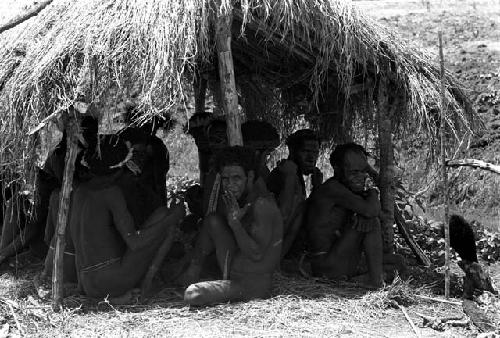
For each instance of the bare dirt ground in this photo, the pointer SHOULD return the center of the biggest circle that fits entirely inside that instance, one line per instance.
(303, 307)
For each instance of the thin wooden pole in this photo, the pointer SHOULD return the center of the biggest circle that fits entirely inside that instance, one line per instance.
(62, 216)
(478, 164)
(21, 18)
(444, 175)
(386, 176)
(227, 81)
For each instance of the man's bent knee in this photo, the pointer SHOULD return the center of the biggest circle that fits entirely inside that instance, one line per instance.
(193, 296)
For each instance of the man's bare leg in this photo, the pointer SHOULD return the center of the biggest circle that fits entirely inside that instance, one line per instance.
(213, 292)
(214, 235)
(293, 229)
(343, 258)
(123, 275)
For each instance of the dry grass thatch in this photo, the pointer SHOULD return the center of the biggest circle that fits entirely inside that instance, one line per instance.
(291, 57)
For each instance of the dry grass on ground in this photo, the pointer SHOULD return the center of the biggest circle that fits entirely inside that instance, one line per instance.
(301, 307)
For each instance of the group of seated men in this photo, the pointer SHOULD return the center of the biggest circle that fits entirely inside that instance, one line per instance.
(250, 218)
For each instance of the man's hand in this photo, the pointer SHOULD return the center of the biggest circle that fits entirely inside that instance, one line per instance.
(316, 178)
(365, 224)
(288, 167)
(233, 211)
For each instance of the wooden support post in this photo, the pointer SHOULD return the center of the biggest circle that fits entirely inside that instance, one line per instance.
(444, 176)
(227, 81)
(200, 91)
(386, 176)
(62, 216)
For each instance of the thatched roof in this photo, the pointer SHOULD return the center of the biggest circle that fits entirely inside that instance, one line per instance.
(291, 57)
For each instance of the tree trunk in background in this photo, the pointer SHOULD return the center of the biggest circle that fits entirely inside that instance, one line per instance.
(386, 176)
(62, 216)
(227, 82)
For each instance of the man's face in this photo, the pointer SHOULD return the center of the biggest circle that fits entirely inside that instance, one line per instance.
(234, 179)
(306, 156)
(355, 171)
(217, 138)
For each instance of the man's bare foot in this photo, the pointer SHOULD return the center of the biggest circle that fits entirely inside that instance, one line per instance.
(129, 297)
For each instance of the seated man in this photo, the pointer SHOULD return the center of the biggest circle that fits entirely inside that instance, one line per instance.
(286, 181)
(198, 197)
(263, 138)
(112, 252)
(342, 219)
(246, 237)
(20, 230)
(155, 154)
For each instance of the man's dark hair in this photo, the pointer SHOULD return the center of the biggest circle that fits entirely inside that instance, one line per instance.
(90, 130)
(112, 152)
(260, 135)
(296, 140)
(217, 132)
(236, 155)
(338, 155)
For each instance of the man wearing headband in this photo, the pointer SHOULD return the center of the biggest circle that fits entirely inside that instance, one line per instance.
(113, 251)
(155, 154)
(286, 181)
(19, 229)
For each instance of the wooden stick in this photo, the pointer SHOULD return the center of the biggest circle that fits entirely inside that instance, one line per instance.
(475, 164)
(21, 18)
(409, 321)
(214, 195)
(157, 260)
(227, 81)
(444, 175)
(225, 273)
(439, 300)
(62, 216)
(18, 324)
(415, 248)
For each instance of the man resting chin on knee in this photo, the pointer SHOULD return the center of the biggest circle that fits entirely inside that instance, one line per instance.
(246, 236)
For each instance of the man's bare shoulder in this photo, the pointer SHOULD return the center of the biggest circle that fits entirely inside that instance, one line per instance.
(266, 205)
(329, 189)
